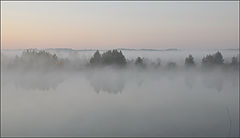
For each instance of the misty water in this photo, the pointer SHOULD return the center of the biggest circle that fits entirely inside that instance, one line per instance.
(109, 101)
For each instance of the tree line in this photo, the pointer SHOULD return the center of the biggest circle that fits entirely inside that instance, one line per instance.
(36, 58)
(116, 57)
(108, 58)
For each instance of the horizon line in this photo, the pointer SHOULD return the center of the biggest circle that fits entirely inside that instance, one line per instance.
(153, 49)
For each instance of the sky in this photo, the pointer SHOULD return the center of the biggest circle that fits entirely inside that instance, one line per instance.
(108, 25)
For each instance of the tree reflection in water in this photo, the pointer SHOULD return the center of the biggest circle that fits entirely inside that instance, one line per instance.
(111, 82)
(37, 81)
(110, 86)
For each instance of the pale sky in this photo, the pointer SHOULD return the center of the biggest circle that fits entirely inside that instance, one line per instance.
(107, 25)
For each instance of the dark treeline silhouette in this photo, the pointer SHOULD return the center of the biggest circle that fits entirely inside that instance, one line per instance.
(215, 59)
(113, 57)
(171, 65)
(36, 59)
(235, 62)
(96, 59)
(189, 61)
(140, 63)
(40, 59)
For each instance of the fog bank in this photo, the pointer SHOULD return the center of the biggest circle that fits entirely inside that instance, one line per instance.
(112, 101)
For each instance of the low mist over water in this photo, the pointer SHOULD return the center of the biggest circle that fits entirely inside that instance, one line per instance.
(159, 97)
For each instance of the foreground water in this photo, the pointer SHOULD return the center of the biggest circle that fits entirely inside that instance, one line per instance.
(113, 102)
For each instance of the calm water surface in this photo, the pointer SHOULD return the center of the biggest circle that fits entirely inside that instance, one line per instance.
(110, 102)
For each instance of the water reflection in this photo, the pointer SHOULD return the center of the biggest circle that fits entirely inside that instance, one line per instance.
(111, 83)
(36, 81)
(114, 81)
(108, 86)
(152, 103)
(190, 78)
(213, 81)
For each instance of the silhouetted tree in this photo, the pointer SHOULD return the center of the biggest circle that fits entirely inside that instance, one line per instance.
(189, 61)
(37, 59)
(109, 57)
(33, 55)
(96, 59)
(208, 60)
(218, 58)
(113, 57)
(139, 61)
(215, 59)
(234, 61)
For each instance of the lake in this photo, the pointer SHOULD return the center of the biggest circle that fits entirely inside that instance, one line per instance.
(122, 102)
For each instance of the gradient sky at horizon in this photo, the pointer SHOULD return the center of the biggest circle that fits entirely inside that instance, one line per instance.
(107, 25)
